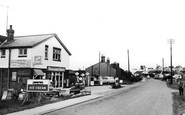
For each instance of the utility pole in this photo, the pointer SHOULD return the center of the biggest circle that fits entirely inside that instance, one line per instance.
(171, 41)
(163, 63)
(99, 62)
(7, 7)
(128, 60)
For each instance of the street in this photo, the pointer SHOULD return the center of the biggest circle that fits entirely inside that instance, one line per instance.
(151, 97)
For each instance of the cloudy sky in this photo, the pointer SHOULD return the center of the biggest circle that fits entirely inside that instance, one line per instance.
(111, 27)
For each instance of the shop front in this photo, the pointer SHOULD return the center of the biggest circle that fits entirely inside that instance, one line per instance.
(56, 76)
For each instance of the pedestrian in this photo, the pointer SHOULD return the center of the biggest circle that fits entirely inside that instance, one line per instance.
(181, 87)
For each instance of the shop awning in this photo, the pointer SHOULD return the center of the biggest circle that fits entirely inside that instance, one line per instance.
(38, 72)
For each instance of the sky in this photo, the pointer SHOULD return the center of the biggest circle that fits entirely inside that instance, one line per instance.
(108, 27)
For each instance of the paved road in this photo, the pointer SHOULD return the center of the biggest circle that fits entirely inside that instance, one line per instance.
(152, 97)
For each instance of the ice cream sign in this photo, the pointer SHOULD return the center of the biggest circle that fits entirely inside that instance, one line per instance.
(37, 85)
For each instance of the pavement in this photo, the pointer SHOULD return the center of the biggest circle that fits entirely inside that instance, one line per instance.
(96, 92)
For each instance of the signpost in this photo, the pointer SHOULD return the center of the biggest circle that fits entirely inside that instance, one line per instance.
(37, 85)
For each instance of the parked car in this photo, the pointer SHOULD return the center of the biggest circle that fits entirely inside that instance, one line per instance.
(159, 76)
(108, 80)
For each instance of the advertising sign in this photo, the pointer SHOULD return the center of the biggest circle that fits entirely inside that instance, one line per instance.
(38, 60)
(52, 68)
(38, 85)
(20, 63)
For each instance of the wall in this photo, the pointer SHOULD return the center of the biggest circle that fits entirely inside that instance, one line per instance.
(40, 50)
(4, 61)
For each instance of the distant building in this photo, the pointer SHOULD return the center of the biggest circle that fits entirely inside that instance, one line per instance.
(101, 69)
(32, 57)
(120, 73)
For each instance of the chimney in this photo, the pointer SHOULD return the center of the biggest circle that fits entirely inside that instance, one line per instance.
(108, 60)
(102, 58)
(10, 34)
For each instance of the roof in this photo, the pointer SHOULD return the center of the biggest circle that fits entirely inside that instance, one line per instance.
(138, 72)
(30, 41)
(2, 38)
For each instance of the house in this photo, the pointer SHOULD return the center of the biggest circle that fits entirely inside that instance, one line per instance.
(120, 73)
(101, 69)
(41, 56)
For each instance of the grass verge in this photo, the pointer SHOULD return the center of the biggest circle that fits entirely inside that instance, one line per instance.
(11, 106)
(178, 101)
(178, 104)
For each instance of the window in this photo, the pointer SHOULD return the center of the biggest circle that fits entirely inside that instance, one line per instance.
(46, 52)
(14, 76)
(3, 53)
(56, 54)
(23, 52)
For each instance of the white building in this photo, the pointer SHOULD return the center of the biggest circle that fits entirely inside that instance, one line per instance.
(32, 57)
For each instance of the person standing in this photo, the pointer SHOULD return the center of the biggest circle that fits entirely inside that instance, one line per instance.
(181, 88)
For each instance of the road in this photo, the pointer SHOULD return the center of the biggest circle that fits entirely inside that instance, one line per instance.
(151, 97)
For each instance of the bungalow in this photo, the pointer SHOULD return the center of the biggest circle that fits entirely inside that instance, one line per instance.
(32, 57)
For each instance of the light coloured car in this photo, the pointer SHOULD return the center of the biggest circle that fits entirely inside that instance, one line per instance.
(108, 80)
(159, 76)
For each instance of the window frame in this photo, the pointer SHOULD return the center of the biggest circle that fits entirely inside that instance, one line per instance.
(3, 53)
(22, 52)
(46, 52)
(56, 54)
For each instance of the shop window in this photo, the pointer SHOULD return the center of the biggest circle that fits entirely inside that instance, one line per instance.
(56, 54)
(3, 53)
(23, 52)
(46, 52)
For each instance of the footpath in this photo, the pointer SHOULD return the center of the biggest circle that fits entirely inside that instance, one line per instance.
(96, 92)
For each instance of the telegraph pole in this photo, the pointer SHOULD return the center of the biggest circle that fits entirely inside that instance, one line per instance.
(163, 63)
(99, 62)
(171, 41)
(7, 7)
(128, 60)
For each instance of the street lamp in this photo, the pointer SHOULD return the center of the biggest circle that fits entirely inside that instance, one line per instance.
(171, 41)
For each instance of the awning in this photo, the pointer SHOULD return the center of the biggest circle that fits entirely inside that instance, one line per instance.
(38, 72)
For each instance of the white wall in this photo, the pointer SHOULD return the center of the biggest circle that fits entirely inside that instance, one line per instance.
(4, 61)
(40, 50)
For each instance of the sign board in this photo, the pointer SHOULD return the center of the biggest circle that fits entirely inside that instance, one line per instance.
(38, 85)
(24, 72)
(52, 68)
(38, 60)
(20, 63)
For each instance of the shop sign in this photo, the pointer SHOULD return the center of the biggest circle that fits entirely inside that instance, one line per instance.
(38, 60)
(37, 85)
(21, 63)
(52, 68)
(24, 72)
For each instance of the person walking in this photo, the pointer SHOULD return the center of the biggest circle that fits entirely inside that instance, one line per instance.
(181, 88)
